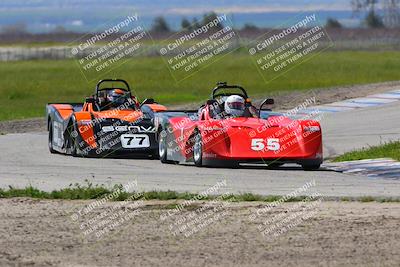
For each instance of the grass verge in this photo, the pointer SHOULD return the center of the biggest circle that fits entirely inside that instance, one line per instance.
(28, 85)
(387, 150)
(89, 191)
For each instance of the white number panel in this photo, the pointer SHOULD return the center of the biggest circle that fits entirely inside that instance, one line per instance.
(135, 141)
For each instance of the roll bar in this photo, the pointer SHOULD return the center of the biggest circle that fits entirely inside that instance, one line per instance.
(224, 85)
(98, 89)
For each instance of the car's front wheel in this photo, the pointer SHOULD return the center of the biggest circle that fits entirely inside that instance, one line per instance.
(162, 147)
(198, 149)
(72, 142)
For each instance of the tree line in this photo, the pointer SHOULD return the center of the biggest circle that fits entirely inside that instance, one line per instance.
(389, 16)
(161, 25)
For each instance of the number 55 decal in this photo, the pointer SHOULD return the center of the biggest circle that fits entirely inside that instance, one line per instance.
(270, 143)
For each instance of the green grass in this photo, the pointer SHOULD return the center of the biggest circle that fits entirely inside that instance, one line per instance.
(90, 191)
(26, 86)
(387, 150)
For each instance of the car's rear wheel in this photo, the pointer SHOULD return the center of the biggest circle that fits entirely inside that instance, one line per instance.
(50, 142)
(312, 167)
(74, 150)
(198, 149)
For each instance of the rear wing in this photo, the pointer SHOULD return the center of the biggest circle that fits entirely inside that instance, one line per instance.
(75, 106)
(161, 118)
(178, 113)
(61, 112)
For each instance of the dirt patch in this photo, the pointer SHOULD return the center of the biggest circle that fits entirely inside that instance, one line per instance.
(41, 233)
(23, 126)
(283, 100)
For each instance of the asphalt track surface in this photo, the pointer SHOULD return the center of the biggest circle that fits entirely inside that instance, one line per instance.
(25, 160)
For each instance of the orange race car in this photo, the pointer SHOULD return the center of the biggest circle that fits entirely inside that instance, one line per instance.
(110, 122)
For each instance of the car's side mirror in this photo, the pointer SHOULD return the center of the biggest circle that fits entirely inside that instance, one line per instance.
(267, 104)
(247, 102)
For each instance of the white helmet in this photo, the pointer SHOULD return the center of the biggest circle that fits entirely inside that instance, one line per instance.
(234, 106)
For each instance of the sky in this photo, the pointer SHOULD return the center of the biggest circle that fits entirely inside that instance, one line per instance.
(179, 7)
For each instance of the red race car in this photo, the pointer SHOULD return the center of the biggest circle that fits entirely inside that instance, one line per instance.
(228, 130)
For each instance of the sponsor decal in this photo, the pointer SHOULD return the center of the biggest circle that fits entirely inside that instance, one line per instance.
(210, 155)
(134, 129)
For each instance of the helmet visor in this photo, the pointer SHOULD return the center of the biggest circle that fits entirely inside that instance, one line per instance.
(236, 105)
(117, 99)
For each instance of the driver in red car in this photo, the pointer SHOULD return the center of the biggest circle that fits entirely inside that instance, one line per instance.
(235, 106)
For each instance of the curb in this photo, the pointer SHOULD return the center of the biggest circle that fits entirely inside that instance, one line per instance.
(373, 168)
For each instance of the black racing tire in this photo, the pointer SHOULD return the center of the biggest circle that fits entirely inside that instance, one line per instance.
(163, 148)
(72, 141)
(312, 167)
(74, 150)
(50, 141)
(198, 149)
